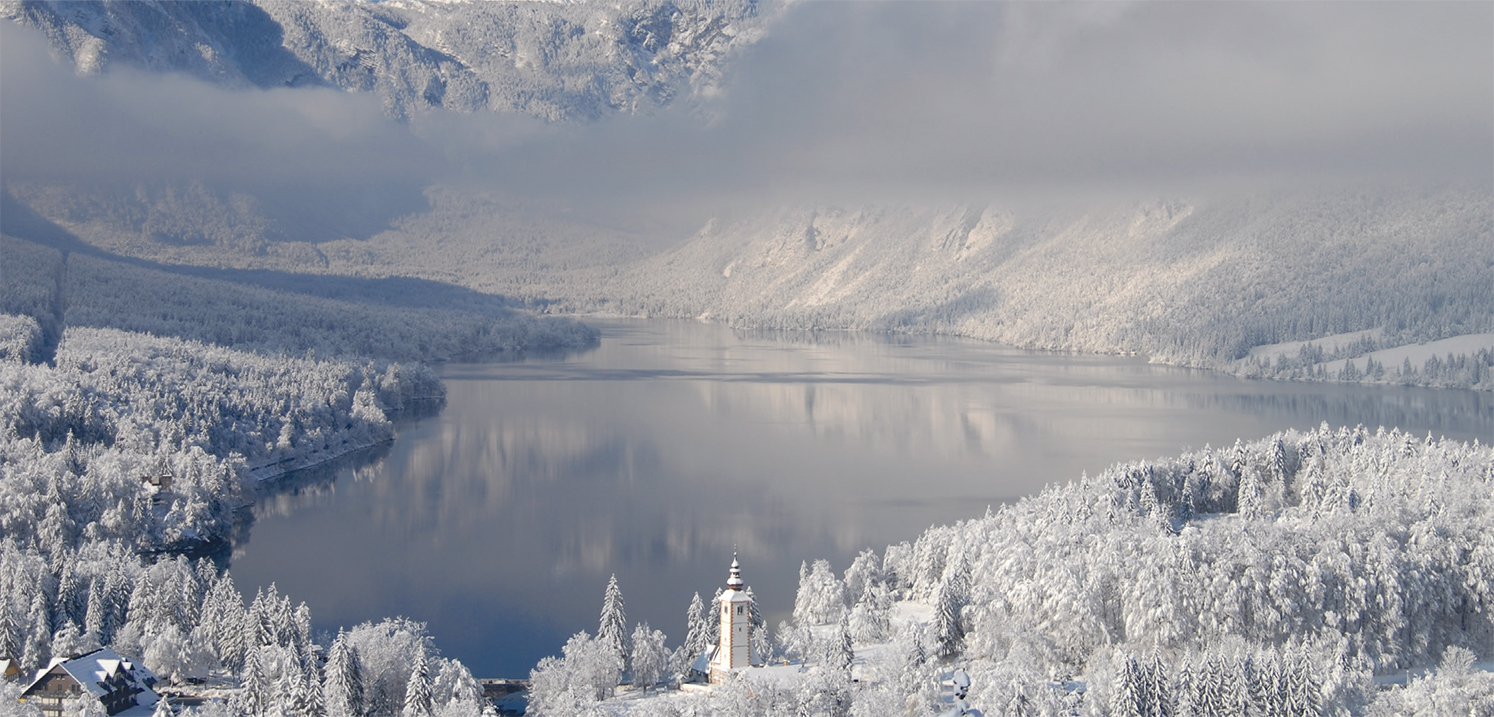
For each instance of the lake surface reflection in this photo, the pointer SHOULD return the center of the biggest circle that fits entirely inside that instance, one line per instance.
(652, 456)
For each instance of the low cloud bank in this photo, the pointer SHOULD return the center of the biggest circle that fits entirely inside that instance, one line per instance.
(876, 100)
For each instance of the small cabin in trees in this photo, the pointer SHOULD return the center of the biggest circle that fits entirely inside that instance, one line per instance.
(734, 652)
(160, 482)
(8, 669)
(115, 682)
(160, 487)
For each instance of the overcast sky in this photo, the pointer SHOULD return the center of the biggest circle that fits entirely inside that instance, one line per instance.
(884, 99)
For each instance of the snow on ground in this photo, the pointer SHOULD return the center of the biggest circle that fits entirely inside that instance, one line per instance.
(785, 674)
(1329, 344)
(1418, 353)
(906, 611)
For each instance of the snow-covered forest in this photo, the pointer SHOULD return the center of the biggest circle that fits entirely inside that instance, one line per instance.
(1191, 278)
(1278, 576)
(235, 235)
(142, 407)
(126, 453)
(1191, 284)
(1202, 284)
(391, 319)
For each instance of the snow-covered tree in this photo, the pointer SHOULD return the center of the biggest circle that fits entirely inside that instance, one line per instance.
(587, 672)
(839, 650)
(342, 682)
(697, 626)
(418, 689)
(613, 625)
(650, 658)
(821, 597)
(256, 693)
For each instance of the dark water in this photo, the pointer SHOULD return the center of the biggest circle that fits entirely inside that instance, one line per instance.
(499, 521)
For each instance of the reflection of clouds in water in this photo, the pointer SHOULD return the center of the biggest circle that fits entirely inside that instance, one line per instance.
(543, 477)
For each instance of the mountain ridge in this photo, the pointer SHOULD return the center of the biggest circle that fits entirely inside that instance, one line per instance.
(558, 62)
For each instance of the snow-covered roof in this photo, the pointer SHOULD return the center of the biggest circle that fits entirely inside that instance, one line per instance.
(702, 664)
(734, 596)
(734, 582)
(95, 669)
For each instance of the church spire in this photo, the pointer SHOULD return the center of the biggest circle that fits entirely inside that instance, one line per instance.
(735, 581)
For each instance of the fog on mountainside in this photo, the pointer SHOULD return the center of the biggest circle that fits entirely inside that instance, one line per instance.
(235, 232)
(1141, 178)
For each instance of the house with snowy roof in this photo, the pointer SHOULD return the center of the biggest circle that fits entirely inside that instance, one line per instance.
(9, 670)
(121, 686)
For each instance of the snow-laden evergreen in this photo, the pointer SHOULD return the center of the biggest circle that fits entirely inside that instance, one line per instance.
(1275, 576)
(613, 625)
(407, 321)
(130, 448)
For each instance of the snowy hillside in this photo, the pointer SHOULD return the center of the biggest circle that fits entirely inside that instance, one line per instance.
(1233, 283)
(546, 212)
(556, 61)
(1273, 577)
(1192, 283)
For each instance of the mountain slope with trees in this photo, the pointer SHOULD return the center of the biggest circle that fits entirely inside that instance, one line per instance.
(555, 61)
(1276, 576)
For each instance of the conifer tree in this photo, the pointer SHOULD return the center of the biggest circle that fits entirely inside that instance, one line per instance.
(697, 627)
(307, 700)
(614, 622)
(38, 649)
(713, 620)
(1302, 689)
(1126, 696)
(840, 652)
(948, 600)
(10, 638)
(418, 689)
(96, 615)
(342, 686)
(70, 599)
(255, 695)
(1159, 688)
(1183, 685)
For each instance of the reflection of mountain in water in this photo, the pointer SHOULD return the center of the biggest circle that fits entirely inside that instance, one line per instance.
(1459, 414)
(308, 487)
(670, 443)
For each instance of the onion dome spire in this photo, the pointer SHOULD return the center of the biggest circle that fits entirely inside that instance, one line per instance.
(735, 581)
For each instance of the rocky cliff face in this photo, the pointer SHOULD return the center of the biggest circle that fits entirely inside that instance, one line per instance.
(551, 60)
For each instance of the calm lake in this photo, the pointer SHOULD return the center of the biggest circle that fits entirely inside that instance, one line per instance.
(654, 455)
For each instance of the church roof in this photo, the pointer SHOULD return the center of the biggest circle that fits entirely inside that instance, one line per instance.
(734, 579)
(702, 664)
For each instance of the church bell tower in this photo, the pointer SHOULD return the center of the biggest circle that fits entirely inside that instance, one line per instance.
(735, 649)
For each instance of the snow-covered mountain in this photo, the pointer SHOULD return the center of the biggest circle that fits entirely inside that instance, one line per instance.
(1204, 280)
(1198, 283)
(557, 61)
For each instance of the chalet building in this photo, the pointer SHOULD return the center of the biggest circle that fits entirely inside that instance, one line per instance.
(160, 488)
(118, 684)
(735, 649)
(9, 670)
(160, 482)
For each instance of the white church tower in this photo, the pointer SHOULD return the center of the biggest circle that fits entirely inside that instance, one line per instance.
(735, 650)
